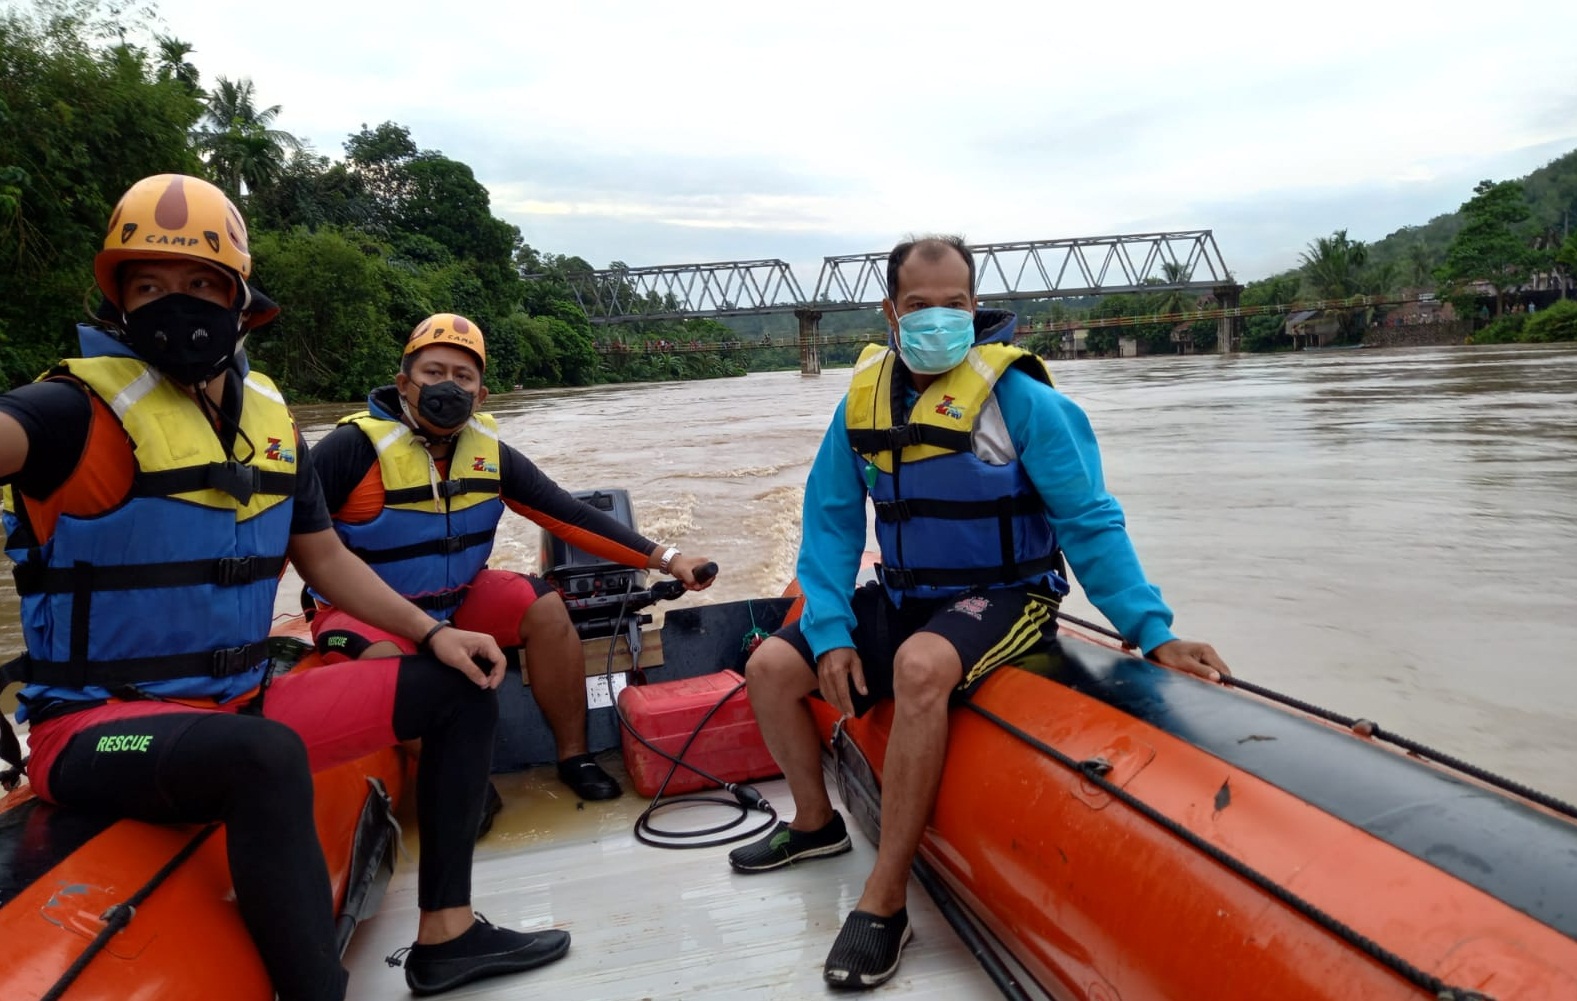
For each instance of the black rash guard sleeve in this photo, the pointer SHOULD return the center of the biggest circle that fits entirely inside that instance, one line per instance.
(342, 459)
(309, 514)
(56, 416)
(525, 485)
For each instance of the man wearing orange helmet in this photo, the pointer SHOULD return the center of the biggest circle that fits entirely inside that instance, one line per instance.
(154, 487)
(417, 483)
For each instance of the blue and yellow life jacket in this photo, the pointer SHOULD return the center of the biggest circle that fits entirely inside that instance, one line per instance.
(170, 594)
(433, 535)
(955, 509)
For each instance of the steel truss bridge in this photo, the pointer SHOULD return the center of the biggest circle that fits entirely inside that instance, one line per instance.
(1186, 261)
(1052, 327)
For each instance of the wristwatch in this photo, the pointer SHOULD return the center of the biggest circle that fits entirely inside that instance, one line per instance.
(668, 558)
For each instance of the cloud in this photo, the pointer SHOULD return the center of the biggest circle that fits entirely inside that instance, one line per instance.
(623, 131)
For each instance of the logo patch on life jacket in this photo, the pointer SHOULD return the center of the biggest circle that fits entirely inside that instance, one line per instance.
(124, 742)
(275, 452)
(481, 465)
(947, 408)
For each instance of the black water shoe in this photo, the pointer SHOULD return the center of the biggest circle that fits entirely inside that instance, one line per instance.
(866, 951)
(784, 846)
(484, 950)
(582, 774)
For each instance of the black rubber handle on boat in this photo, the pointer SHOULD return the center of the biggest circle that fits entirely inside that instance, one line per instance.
(663, 590)
(667, 590)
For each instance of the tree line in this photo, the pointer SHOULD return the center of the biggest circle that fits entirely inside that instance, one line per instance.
(1506, 260)
(358, 249)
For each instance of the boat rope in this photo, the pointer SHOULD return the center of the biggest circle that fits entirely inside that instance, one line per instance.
(1094, 771)
(968, 931)
(1369, 728)
(120, 915)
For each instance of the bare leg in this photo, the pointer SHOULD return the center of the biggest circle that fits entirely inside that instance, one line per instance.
(555, 668)
(925, 671)
(779, 682)
(433, 927)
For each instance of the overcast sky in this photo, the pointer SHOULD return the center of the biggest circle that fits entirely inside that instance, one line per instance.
(688, 132)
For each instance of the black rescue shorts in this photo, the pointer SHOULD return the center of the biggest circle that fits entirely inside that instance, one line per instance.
(988, 628)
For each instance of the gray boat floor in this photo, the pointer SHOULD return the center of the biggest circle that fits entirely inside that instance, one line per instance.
(653, 924)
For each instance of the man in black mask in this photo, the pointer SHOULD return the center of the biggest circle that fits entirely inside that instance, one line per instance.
(154, 486)
(416, 484)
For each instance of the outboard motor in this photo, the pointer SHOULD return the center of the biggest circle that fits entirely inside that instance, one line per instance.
(593, 588)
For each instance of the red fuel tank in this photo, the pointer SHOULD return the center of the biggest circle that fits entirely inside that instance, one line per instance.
(729, 746)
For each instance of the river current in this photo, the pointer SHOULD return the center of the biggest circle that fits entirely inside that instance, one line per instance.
(1389, 533)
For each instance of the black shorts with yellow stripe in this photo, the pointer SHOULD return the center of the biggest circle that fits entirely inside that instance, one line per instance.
(988, 628)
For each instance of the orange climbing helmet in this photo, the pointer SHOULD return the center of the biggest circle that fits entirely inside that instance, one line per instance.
(175, 215)
(448, 328)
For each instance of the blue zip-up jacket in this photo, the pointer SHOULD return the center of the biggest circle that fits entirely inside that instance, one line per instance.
(1057, 446)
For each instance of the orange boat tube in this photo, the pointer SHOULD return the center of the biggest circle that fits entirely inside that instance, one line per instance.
(61, 872)
(1130, 833)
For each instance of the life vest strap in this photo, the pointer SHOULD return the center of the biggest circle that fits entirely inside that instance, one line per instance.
(867, 441)
(906, 508)
(446, 546)
(311, 605)
(112, 674)
(230, 571)
(237, 479)
(441, 602)
(446, 488)
(908, 578)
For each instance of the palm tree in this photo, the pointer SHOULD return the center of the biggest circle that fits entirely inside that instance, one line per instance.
(241, 148)
(1333, 268)
(1176, 300)
(173, 64)
(1420, 266)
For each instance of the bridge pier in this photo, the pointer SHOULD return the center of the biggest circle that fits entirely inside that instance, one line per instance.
(1229, 329)
(809, 357)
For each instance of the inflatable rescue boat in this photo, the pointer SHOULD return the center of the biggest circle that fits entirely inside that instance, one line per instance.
(94, 908)
(1124, 831)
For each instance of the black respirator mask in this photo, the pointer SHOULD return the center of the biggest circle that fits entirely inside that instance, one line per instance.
(445, 404)
(189, 339)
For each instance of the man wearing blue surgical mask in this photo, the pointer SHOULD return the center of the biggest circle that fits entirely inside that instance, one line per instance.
(982, 476)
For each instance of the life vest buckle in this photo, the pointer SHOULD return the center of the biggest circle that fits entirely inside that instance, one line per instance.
(449, 488)
(896, 578)
(233, 570)
(901, 436)
(234, 660)
(893, 510)
(235, 478)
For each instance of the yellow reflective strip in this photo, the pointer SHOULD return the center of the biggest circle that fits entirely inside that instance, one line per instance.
(388, 440)
(262, 389)
(987, 372)
(134, 392)
(869, 358)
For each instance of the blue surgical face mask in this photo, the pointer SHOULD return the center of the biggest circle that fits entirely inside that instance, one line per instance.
(935, 339)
